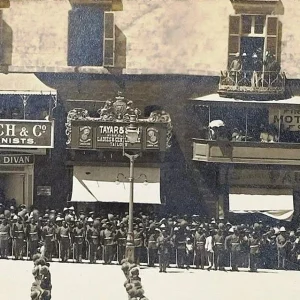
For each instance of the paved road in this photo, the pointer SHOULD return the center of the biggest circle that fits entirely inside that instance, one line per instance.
(84, 282)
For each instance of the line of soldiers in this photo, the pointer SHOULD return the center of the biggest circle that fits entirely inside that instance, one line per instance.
(167, 241)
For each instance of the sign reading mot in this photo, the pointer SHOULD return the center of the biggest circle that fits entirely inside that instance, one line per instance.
(100, 135)
(26, 134)
(288, 118)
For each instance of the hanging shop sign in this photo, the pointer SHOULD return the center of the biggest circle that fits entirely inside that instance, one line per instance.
(16, 159)
(103, 135)
(288, 118)
(26, 134)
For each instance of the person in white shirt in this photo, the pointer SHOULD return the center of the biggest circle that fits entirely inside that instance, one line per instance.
(209, 247)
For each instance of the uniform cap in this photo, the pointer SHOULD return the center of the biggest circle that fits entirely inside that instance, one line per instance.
(90, 219)
(71, 208)
(58, 219)
(15, 217)
(231, 230)
(162, 226)
(65, 209)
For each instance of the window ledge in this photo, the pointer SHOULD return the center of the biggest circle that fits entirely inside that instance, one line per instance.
(54, 69)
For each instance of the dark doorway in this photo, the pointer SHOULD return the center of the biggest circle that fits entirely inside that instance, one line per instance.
(251, 45)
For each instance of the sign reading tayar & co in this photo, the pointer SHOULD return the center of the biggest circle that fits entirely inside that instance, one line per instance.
(26, 134)
(16, 159)
(113, 136)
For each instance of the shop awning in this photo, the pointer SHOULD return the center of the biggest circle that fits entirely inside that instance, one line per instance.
(23, 83)
(280, 207)
(92, 184)
(216, 99)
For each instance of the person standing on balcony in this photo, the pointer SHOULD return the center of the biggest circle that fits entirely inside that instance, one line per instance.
(256, 68)
(235, 68)
(272, 68)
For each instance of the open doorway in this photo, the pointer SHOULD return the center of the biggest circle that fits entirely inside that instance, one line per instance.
(251, 45)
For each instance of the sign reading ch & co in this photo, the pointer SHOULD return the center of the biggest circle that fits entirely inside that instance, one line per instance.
(26, 134)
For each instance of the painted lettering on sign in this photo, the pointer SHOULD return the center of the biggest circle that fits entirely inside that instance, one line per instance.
(15, 159)
(26, 134)
(288, 118)
(113, 136)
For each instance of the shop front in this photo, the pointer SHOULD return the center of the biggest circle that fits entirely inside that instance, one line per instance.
(26, 132)
(99, 147)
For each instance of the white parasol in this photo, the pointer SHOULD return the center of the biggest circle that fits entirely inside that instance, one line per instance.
(216, 123)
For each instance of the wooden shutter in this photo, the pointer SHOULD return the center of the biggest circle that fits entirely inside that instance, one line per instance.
(234, 37)
(1, 38)
(109, 40)
(271, 44)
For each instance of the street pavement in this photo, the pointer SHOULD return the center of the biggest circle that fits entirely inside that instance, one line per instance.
(73, 281)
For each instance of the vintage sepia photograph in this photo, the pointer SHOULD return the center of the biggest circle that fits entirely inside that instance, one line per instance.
(149, 149)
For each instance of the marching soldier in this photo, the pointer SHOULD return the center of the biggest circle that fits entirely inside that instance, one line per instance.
(78, 238)
(121, 237)
(18, 234)
(48, 235)
(199, 246)
(138, 242)
(107, 237)
(33, 237)
(64, 237)
(4, 238)
(219, 239)
(164, 245)
(254, 243)
(93, 238)
(152, 236)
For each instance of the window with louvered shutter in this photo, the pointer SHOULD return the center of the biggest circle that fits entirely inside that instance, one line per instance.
(272, 35)
(1, 38)
(109, 40)
(234, 37)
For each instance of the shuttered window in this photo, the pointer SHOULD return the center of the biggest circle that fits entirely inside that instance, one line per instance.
(91, 37)
(272, 35)
(109, 39)
(234, 37)
(1, 38)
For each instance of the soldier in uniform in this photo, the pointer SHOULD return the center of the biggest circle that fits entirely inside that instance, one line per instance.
(78, 239)
(254, 243)
(48, 235)
(282, 244)
(219, 239)
(107, 238)
(232, 244)
(151, 245)
(180, 244)
(121, 237)
(33, 237)
(64, 236)
(164, 245)
(93, 238)
(199, 246)
(4, 237)
(138, 241)
(18, 234)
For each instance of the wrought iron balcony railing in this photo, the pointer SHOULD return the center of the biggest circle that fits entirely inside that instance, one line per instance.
(252, 82)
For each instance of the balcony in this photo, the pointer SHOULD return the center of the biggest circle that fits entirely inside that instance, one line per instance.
(246, 84)
(246, 152)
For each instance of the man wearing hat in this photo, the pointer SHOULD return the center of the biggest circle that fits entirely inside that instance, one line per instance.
(232, 245)
(138, 240)
(48, 237)
(254, 243)
(180, 244)
(282, 244)
(121, 237)
(151, 244)
(4, 237)
(18, 235)
(163, 244)
(219, 239)
(199, 246)
(107, 239)
(64, 237)
(93, 237)
(33, 236)
(78, 240)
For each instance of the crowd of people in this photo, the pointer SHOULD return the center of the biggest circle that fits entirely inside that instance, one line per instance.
(252, 70)
(181, 240)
